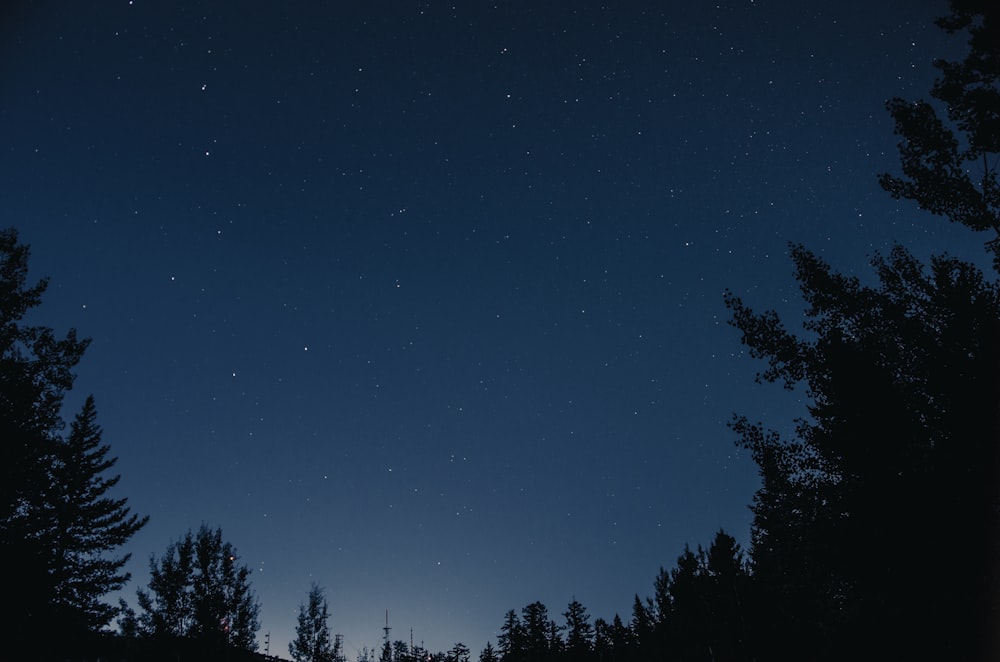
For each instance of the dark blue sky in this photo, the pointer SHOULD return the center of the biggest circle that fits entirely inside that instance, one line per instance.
(423, 301)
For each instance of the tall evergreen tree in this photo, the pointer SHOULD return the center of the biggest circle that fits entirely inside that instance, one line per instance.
(643, 623)
(312, 641)
(537, 631)
(603, 644)
(57, 522)
(511, 642)
(85, 523)
(579, 631)
(622, 639)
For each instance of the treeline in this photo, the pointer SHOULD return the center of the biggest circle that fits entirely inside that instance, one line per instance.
(698, 610)
(701, 609)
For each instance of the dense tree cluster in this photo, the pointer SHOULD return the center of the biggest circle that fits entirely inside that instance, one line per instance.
(897, 460)
(698, 611)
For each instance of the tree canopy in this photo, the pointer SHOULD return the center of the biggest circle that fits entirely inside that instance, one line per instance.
(199, 590)
(894, 465)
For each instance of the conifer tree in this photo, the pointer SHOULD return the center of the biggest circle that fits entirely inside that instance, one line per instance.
(86, 523)
(579, 631)
(57, 520)
(511, 642)
(489, 654)
(458, 653)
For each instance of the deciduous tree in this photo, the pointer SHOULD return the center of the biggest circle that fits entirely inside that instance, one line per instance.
(312, 641)
(895, 462)
(950, 168)
(199, 590)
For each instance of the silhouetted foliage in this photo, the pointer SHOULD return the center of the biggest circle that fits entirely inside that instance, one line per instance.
(83, 522)
(701, 604)
(897, 460)
(540, 633)
(198, 590)
(951, 170)
(579, 631)
(57, 521)
(312, 641)
(512, 640)
(699, 613)
(900, 440)
(489, 654)
(458, 653)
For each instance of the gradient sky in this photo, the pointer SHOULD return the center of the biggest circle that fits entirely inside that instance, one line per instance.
(423, 301)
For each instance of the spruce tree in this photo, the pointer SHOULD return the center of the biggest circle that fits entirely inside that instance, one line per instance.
(85, 523)
(57, 520)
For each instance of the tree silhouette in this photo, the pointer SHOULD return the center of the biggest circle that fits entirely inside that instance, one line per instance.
(538, 639)
(579, 631)
(56, 520)
(900, 439)
(898, 458)
(312, 641)
(458, 653)
(198, 590)
(512, 640)
(949, 173)
(84, 523)
(489, 654)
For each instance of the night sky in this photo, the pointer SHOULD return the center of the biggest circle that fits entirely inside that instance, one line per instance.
(423, 301)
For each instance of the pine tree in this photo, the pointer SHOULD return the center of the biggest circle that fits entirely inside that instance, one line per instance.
(643, 622)
(56, 520)
(537, 632)
(579, 631)
(86, 523)
(511, 642)
(312, 634)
